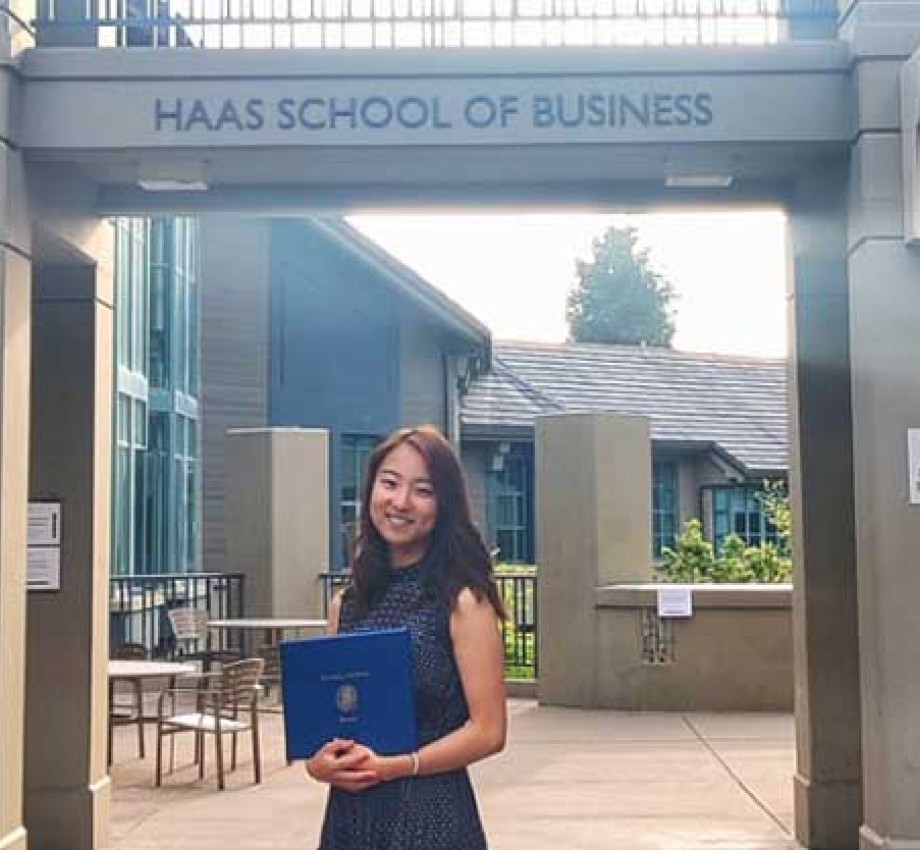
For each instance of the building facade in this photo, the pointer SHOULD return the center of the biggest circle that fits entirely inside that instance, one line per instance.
(155, 525)
(719, 429)
(310, 324)
(824, 126)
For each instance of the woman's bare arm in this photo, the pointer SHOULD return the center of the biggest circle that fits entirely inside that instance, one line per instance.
(477, 643)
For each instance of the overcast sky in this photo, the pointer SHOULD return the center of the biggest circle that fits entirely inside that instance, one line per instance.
(513, 271)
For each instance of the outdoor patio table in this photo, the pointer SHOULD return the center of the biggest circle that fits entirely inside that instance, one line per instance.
(137, 670)
(273, 628)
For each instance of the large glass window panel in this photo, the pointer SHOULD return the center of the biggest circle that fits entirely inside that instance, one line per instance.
(158, 493)
(510, 502)
(156, 477)
(159, 326)
(122, 564)
(664, 505)
(354, 451)
(738, 510)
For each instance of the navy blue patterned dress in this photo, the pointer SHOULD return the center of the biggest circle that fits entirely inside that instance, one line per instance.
(415, 813)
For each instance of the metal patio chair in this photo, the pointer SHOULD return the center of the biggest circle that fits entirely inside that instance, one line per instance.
(193, 638)
(223, 703)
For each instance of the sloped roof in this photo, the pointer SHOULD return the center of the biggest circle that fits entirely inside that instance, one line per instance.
(735, 405)
(405, 280)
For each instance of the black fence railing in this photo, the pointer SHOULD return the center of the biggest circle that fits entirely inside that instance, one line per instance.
(139, 605)
(519, 631)
(335, 24)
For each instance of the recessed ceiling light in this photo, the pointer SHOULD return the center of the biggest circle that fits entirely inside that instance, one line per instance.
(173, 185)
(698, 181)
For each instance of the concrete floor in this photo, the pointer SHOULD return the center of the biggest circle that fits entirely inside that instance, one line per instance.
(568, 780)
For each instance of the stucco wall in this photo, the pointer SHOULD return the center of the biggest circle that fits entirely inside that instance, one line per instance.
(422, 371)
(733, 654)
(234, 357)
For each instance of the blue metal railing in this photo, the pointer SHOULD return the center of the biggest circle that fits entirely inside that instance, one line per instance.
(332, 24)
(519, 631)
(138, 605)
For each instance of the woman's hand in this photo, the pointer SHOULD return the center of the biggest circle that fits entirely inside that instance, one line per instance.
(383, 768)
(339, 763)
(354, 767)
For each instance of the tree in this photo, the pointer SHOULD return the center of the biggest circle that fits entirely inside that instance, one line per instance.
(619, 298)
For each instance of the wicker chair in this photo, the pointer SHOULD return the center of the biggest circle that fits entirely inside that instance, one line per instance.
(225, 703)
(193, 640)
(121, 711)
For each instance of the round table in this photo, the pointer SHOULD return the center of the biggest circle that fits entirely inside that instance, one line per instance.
(135, 671)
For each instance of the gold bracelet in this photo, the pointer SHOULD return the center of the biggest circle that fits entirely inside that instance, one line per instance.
(416, 763)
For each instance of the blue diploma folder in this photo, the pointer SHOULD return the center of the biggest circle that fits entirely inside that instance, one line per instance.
(356, 685)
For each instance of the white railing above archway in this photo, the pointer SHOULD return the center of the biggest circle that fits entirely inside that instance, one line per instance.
(389, 24)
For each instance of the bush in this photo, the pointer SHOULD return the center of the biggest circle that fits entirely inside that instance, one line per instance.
(693, 560)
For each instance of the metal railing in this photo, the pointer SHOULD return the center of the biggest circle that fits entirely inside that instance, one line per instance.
(519, 631)
(138, 605)
(388, 24)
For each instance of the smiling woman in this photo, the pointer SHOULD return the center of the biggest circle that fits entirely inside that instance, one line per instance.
(420, 564)
(403, 505)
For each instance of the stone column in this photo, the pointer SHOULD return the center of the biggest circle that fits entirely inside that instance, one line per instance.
(15, 322)
(67, 787)
(278, 517)
(828, 767)
(884, 277)
(593, 483)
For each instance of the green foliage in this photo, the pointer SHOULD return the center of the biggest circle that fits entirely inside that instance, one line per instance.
(775, 502)
(619, 298)
(520, 640)
(693, 560)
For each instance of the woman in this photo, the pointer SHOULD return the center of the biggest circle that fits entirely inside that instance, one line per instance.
(420, 563)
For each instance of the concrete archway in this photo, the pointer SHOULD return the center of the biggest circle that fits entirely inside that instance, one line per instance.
(815, 126)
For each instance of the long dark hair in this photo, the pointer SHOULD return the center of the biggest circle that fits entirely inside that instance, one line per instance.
(456, 559)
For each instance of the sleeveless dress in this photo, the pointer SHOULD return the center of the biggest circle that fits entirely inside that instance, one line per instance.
(414, 813)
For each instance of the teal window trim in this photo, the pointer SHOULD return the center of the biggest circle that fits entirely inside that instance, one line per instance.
(510, 501)
(156, 522)
(354, 451)
(665, 504)
(737, 509)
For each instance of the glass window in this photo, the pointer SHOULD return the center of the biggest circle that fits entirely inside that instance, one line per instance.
(738, 510)
(123, 503)
(158, 492)
(511, 502)
(664, 505)
(355, 449)
(131, 285)
(156, 525)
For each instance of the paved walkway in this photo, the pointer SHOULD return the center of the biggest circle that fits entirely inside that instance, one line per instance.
(568, 780)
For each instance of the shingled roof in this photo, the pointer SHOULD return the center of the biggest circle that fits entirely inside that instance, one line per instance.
(734, 405)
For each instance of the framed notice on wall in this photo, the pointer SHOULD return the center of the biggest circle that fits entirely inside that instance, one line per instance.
(43, 565)
(913, 466)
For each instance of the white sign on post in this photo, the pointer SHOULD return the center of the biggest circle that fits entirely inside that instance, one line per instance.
(44, 524)
(43, 562)
(913, 466)
(675, 602)
(44, 568)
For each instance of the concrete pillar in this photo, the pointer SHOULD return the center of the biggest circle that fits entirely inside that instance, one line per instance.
(593, 484)
(828, 766)
(885, 349)
(15, 328)
(885, 315)
(278, 517)
(67, 788)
